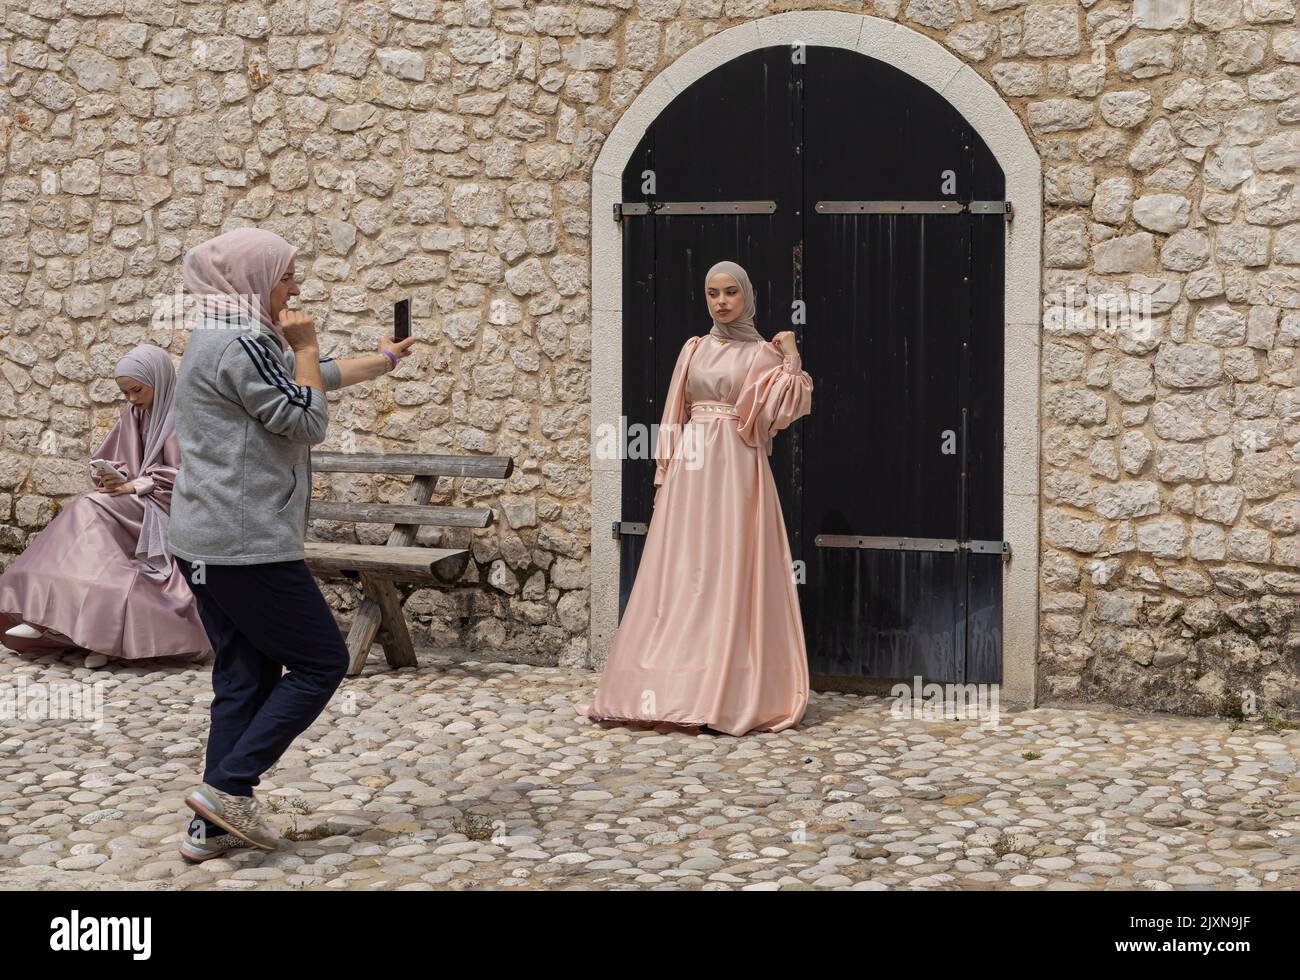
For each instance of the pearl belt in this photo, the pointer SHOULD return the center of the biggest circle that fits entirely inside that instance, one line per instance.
(714, 408)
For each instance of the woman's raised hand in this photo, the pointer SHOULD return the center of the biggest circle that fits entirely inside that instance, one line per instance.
(299, 330)
(786, 341)
(398, 348)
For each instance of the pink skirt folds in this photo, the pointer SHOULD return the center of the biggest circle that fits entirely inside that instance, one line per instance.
(79, 578)
(712, 633)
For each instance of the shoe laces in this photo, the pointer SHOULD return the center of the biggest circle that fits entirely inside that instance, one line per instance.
(247, 808)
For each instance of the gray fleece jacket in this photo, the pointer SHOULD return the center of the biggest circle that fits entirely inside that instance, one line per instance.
(245, 429)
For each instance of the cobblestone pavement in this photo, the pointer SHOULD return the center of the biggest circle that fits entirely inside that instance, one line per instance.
(481, 775)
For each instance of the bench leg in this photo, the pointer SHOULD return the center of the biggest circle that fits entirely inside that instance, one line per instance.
(365, 624)
(380, 616)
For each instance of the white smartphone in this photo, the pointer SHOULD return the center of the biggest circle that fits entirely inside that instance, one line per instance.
(108, 469)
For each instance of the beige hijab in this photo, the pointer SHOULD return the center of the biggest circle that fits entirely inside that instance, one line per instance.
(741, 328)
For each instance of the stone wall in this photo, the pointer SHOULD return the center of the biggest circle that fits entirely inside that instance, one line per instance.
(1169, 447)
(443, 151)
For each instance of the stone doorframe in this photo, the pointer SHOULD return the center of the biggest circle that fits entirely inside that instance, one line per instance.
(932, 64)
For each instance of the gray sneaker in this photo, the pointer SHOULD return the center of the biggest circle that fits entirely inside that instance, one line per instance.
(240, 815)
(198, 847)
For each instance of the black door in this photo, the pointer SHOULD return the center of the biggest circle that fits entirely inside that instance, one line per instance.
(843, 186)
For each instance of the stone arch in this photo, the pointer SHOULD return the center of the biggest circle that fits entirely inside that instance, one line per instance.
(935, 66)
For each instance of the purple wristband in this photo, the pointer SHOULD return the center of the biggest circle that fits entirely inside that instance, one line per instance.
(391, 356)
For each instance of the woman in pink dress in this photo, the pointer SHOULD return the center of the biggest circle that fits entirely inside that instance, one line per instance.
(100, 576)
(712, 636)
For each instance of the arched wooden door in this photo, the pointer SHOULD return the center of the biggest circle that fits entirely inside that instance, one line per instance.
(870, 216)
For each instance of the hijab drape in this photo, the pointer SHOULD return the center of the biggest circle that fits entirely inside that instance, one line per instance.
(235, 272)
(151, 366)
(741, 328)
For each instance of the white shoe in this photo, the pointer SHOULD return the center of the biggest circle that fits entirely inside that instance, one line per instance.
(24, 632)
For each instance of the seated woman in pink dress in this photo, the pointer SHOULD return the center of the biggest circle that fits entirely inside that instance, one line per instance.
(100, 576)
(712, 636)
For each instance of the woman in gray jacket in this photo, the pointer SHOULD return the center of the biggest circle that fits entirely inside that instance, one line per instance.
(250, 404)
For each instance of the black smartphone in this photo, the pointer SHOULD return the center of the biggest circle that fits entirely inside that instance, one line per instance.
(402, 319)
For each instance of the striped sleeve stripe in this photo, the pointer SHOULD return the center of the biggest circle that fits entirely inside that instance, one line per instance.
(273, 374)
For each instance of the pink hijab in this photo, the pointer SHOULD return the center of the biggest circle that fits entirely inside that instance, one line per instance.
(234, 273)
(142, 447)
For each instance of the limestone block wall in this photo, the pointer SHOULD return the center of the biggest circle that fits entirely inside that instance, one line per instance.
(1169, 442)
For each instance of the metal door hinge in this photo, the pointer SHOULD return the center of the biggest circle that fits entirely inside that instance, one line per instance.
(630, 527)
(628, 209)
(915, 207)
(885, 543)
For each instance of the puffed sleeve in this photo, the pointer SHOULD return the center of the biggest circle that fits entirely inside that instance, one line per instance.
(675, 413)
(776, 392)
(159, 477)
(111, 450)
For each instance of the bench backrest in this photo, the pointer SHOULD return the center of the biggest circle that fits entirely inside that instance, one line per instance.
(414, 464)
(406, 517)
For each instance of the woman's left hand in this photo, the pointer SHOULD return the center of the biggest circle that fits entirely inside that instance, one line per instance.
(398, 348)
(786, 341)
(118, 490)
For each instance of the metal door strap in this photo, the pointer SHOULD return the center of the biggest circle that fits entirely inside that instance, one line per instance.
(912, 544)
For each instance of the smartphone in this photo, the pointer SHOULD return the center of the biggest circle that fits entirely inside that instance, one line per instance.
(108, 469)
(402, 319)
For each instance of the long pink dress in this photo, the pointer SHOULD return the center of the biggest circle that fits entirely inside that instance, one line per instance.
(79, 576)
(712, 633)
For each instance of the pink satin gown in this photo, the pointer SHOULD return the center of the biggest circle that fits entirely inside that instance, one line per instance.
(79, 578)
(712, 633)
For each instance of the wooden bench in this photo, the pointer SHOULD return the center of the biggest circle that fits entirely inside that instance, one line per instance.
(379, 566)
